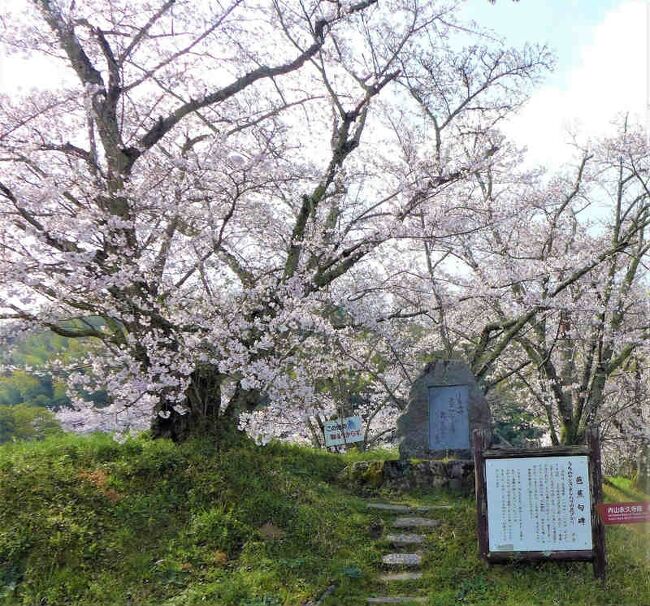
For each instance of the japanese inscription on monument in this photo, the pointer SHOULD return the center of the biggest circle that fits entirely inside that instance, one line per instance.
(539, 504)
(448, 417)
(445, 405)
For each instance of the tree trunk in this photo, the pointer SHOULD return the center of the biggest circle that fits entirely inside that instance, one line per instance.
(205, 414)
(642, 474)
(570, 433)
(203, 405)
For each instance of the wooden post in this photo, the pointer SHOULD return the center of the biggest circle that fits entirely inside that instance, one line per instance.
(479, 444)
(596, 481)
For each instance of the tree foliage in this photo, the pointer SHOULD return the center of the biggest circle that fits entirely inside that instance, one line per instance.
(211, 184)
(36, 366)
(270, 204)
(24, 422)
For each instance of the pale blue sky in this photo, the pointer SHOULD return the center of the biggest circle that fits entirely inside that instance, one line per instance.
(565, 25)
(601, 70)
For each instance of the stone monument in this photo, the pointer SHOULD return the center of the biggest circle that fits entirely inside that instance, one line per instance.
(445, 405)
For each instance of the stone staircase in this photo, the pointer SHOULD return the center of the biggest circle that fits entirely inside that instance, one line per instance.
(407, 538)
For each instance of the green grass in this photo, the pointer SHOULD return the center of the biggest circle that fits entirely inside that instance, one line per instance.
(453, 573)
(88, 521)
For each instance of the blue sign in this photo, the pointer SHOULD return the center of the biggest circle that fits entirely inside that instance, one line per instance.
(343, 431)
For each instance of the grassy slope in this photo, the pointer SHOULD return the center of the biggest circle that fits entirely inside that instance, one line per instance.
(88, 521)
(453, 573)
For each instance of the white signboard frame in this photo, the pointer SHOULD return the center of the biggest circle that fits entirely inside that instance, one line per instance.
(343, 431)
(539, 516)
(539, 504)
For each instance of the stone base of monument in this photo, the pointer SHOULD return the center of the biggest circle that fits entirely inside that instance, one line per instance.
(405, 475)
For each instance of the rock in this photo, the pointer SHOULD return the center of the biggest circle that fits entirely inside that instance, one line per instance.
(395, 508)
(415, 523)
(457, 469)
(405, 476)
(405, 538)
(363, 474)
(397, 600)
(376, 528)
(389, 507)
(456, 485)
(445, 405)
(400, 576)
(408, 560)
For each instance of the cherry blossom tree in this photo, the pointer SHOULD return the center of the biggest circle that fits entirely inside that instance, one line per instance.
(547, 285)
(579, 339)
(217, 182)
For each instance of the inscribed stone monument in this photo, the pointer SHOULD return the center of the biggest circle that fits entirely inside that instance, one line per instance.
(445, 406)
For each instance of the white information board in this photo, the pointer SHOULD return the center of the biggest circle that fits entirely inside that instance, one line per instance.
(538, 504)
(343, 431)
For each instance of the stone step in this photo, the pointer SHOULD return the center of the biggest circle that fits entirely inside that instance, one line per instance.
(399, 560)
(407, 522)
(400, 576)
(402, 539)
(396, 600)
(394, 508)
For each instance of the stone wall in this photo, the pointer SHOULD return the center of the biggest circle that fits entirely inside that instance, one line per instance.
(405, 475)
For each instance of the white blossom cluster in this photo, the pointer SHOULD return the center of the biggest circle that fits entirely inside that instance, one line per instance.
(303, 207)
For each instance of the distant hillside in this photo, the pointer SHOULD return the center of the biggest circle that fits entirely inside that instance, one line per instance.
(28, 381)
(38, 347)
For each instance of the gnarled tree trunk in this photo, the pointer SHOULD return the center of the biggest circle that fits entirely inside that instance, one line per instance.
(203, 409)
(206, 414)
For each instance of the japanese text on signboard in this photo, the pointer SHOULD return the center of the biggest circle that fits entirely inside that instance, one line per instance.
(539, 504)
(624, 513)
(343, 431)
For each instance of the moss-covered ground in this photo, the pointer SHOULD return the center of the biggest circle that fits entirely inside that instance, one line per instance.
(88, 521)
